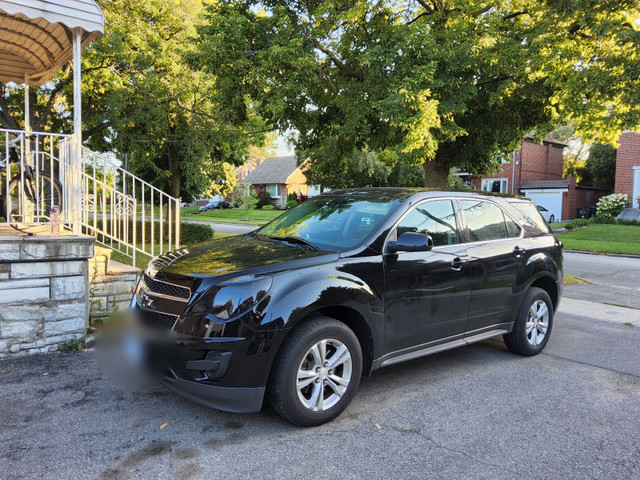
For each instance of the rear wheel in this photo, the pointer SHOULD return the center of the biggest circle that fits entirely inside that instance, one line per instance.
(317, 372)
(533, 324)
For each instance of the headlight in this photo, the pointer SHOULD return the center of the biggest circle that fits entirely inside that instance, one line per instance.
(235, 297)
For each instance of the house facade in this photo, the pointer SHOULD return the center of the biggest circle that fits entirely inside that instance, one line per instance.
(279, 177)
(628, 166)
(535, 171)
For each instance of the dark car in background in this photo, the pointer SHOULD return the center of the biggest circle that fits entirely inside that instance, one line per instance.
(346, 283)
(217, 205)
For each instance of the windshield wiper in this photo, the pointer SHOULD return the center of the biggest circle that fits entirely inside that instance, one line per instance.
(295, 240)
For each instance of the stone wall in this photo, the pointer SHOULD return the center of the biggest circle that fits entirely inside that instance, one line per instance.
(111, 289)
(44, 295)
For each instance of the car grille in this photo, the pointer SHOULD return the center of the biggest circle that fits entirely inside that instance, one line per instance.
(167, 289)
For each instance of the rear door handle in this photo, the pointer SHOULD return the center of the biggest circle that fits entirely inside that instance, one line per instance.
(457, 263)
(519, 251)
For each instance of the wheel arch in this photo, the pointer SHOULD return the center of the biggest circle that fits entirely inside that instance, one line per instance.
(549, 285)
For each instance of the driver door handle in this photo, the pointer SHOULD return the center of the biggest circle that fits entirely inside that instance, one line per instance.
(518, 251)
(458, 262)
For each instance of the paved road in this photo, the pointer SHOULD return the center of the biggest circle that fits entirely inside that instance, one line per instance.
(478, 412)
(232, 228)
(614, 280)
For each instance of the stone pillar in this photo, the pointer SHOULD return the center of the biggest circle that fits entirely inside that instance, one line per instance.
(44, 291)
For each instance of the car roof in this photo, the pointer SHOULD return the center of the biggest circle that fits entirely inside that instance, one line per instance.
(402, 193)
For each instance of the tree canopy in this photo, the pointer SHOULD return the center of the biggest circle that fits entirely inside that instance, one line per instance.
(141, 100)
(442, 83)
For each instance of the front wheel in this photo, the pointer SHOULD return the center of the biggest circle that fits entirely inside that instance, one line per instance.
(316, 373)
(533, 324)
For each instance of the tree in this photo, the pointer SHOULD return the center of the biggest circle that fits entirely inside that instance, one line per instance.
(141, 100)
(447, 83)
(600, 168)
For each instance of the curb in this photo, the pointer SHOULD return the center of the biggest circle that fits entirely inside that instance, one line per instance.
(603, 254)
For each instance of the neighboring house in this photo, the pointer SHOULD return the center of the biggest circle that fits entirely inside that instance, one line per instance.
(279, 177)
(535, 171)
(628, 166)
(244, 170)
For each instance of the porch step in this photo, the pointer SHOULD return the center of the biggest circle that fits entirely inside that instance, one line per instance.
(99, 264)
(112, 290)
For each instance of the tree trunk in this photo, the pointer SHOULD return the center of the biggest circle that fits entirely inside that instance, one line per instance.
(435, 176)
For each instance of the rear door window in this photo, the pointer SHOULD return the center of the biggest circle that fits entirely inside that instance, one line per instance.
(486, 221)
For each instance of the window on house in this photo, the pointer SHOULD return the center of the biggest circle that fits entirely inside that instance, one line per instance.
(496, 185)
(275, 191)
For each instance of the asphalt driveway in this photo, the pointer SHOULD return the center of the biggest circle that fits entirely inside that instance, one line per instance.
(476, 412)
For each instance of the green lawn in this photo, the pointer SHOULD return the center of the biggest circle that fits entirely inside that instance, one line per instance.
(603, 238)
(232, 215)
(141, 259)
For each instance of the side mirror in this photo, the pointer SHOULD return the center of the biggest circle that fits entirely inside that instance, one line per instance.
(411, 242)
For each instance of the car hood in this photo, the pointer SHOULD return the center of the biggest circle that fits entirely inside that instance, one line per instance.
(235, 254)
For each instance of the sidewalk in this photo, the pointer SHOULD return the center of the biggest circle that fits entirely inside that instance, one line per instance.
(599, 311)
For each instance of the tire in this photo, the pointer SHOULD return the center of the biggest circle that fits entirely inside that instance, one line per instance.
(552, 219)
(325, 389)
(533, 324)
(48, 190)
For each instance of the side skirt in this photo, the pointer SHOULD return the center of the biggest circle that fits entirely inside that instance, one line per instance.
(429, 348)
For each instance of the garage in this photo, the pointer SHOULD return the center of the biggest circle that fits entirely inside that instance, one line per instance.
(547, 197)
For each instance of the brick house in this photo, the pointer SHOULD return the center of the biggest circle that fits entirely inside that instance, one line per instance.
(628, 166)
(279, 177)
(535, 171)
(243, 171)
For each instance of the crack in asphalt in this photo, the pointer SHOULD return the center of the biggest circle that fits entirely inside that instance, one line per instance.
(626, 374)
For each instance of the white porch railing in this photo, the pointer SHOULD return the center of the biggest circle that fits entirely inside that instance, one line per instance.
(34, 170)
(95, 196)
(124, 212)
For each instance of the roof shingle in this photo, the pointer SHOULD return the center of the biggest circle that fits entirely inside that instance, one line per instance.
(273, 170)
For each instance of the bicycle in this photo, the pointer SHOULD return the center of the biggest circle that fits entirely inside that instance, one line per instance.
(28, 191)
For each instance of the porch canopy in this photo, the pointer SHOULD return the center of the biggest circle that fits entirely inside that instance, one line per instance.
(37, 36)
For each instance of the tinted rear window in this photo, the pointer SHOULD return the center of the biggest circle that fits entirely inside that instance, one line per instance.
(530, 218)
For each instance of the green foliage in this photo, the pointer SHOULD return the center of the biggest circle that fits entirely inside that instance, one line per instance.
(249, 201)
(600, 167)
(291, 204)
(600, 220)
(73, 345)
(448, 84)
(268, 207)
(613, 204)
(141, 100)
(190, 233)
(603, 238)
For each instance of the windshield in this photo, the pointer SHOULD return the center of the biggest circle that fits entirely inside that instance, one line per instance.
(331, 223)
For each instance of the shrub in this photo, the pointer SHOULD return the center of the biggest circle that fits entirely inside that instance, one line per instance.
(264, 199)
(292, 203)
(190, 233)
(600, 220)
(612, 205)
(268, 207)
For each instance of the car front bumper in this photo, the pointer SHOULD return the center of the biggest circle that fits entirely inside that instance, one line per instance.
(228, 399)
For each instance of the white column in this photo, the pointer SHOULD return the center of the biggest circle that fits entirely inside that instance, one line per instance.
(76, 155)
(27, 110)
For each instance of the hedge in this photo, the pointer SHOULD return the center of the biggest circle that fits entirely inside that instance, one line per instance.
(190, 233)
(600, 220)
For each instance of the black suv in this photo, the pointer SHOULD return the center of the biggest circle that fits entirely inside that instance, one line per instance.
(344, 284)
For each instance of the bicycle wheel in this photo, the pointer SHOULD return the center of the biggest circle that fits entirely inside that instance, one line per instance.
(36, 197)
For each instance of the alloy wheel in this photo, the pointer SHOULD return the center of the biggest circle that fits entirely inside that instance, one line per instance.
(324, 375)
(537, 323)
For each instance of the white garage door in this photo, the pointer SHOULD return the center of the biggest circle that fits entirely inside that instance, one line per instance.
(549, 199)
